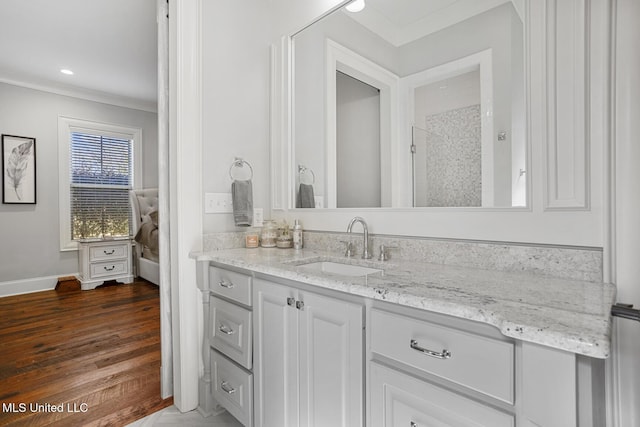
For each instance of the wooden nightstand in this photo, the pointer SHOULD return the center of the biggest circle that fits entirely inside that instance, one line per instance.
(104, 259)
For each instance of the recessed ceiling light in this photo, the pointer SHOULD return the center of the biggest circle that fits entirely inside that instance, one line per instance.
(67, 72)
(355, 6)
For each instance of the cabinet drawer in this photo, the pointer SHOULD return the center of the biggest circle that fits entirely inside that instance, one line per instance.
(229, 284)
(398, 399)
(477, 362)
(231, 331)
(232, 388)
(107, 252)
(103, 269)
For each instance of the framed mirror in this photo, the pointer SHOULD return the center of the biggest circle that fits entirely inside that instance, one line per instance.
(411, 103)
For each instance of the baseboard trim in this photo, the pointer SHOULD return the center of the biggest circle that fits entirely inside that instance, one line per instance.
(27, 286)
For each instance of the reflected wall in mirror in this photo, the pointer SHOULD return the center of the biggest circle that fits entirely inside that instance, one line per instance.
(412, 103)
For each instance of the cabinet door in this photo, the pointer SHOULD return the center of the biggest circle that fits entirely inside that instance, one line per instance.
(331, 367)
(398, 399)
(275, 360)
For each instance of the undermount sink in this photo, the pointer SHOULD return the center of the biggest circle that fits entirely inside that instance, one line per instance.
(340, 268)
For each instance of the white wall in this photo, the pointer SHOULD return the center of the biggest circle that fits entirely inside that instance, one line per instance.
(235, 110)
(29, 243)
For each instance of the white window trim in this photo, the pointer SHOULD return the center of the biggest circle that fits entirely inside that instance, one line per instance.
(66, 126)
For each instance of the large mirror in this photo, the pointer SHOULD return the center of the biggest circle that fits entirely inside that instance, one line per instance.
(411, 103)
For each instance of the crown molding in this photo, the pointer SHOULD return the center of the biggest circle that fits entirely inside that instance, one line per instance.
(82, 93)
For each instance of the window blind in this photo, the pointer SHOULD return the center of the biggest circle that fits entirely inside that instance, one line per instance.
(101, 169)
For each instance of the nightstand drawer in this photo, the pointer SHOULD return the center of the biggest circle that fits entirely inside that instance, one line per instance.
(107, 252)
(477, 362)
(103, 269)
(231, 331)
(231, 285)
(232, 388)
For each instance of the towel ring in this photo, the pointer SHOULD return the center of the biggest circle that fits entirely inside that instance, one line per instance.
(239, 163)
(302, 170)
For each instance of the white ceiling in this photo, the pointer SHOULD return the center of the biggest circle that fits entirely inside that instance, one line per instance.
(110, 45)
(403, 21)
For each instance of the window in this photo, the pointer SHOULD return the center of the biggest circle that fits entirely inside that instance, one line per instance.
(97, 170)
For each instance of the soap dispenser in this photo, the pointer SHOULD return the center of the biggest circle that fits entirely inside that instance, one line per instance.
(297, 235)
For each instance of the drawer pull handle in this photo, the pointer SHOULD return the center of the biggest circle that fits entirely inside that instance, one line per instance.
(444, 354)
(413, 424)
(113, 267)
(226, 388)
(291, 301)
(111, 252)
(224, 284)
(225, 329)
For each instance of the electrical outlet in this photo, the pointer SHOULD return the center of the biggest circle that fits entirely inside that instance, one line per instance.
(218, 203)
(319, 200)
(258, 217)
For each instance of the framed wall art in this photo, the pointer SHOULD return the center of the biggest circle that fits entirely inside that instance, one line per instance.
(18, 169)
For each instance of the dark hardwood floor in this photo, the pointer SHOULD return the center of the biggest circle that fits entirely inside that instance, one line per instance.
(80, 358)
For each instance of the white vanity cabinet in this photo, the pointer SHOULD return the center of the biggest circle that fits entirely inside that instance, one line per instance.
(308, 362)
(228, 353)
(427, 369)
(281, 352)
(415, 366)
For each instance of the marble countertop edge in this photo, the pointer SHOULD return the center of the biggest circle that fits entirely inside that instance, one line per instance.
(526, 318)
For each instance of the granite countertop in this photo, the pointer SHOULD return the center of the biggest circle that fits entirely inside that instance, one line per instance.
(570, 315)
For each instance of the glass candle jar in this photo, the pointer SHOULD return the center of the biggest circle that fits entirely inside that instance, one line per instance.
(269, 234)
(251, 238)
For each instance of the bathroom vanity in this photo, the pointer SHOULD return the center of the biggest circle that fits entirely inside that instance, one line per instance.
(312, 339)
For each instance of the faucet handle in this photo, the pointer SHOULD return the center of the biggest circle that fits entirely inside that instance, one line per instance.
(384, 252)
(349, 252)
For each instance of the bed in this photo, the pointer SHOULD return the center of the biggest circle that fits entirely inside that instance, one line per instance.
(144, 209)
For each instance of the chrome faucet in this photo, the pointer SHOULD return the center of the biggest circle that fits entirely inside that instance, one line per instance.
(365, 251)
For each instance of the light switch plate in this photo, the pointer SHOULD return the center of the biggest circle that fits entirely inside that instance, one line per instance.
(218, 203)
(258, 217)
(319, 201)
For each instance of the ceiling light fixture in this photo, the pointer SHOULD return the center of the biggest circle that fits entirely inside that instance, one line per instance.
(67, 72)
(355, 6)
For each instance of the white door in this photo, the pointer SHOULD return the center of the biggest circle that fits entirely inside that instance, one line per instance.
(331, 367)
(625, 268)
(275, 355)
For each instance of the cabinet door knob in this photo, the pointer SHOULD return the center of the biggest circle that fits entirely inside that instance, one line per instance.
(413, 424)
(225, 329)
(227, 388)
(225, 284)
(299, 305)
(444, 354)
(291, 301)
